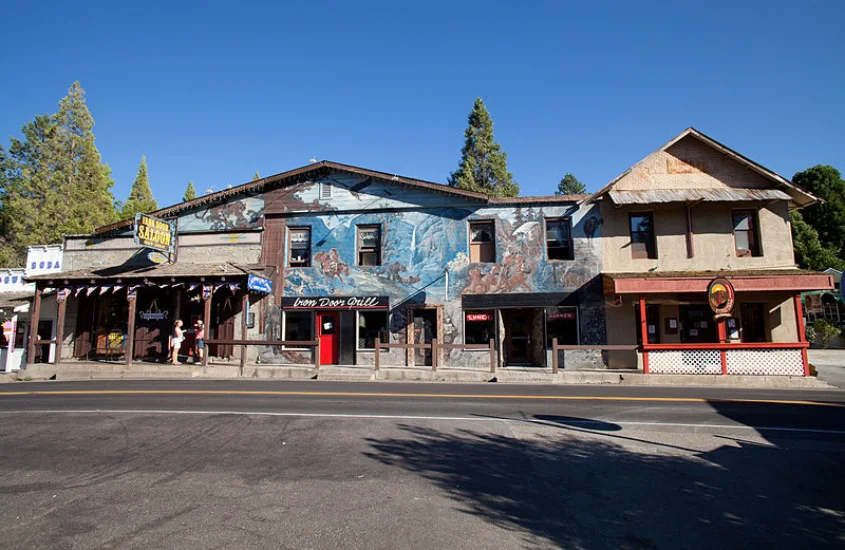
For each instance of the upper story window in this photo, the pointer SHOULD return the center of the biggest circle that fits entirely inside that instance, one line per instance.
(642, 235)
(369, 245)
(559, 239)
(482, 242)
(746, 234)
(299, 247)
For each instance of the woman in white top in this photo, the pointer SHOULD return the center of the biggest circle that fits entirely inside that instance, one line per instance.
(176, 340)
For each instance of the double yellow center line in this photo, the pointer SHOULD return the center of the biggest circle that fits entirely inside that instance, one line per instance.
(416, 395)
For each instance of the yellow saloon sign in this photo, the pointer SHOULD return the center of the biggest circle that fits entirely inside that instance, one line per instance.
(154, 233)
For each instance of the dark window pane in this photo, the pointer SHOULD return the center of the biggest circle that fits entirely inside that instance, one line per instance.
(298, 326)
(479, 327)
(371, 325)
(562, 323)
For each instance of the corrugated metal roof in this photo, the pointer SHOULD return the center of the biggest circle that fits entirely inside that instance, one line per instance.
(692, 195)
(14, 299)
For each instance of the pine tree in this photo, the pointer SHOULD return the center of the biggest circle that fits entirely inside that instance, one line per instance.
(52, 181)
(570, 185)
(257, 176)
(141, 195)
(810, 253)
(483, 167)
(88, 181)
(190, 192)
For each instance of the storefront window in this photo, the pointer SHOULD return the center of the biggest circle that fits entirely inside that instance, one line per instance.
(298, 326)
(371, 325)
(479, 326)
(562, 323)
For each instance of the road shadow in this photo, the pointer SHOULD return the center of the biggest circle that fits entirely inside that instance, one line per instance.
(572, 488)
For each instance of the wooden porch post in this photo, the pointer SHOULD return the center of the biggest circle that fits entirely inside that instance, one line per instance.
(799, 322)
(207, 291)
(244, 335)
(721, 325)
(644, 332)
(61, 298)
(33, 326)
(129, 349)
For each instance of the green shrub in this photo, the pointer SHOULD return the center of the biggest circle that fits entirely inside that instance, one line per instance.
(825, 331)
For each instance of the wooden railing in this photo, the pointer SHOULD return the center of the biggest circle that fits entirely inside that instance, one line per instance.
(434, 347)
(556, 348)
(315, 344)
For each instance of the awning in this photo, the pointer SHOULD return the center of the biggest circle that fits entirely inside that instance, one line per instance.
(694, 195)
(133, 272)
(527, 299)
(10, 300)
(792, 280)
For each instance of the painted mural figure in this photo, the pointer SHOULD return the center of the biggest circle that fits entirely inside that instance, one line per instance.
(273, 321)
(331, 265)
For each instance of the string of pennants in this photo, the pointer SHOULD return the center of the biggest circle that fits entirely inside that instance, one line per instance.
(113, 289)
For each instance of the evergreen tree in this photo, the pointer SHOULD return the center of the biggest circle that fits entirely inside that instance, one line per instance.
(827, 217)
(52, 181)
(190, 192)
(141, 195)
(570, 185)
(257, 176)
(809, 251)
(483, 167)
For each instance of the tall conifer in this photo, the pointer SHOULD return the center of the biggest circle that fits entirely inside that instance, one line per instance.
(190, 192)
(483, 166)
(140, 196)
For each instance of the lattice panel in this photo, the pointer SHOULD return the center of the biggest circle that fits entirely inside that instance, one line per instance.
(696, 361)
(772, 362)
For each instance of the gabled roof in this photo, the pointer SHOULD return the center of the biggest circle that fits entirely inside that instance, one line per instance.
(294, 176)
(799, 196)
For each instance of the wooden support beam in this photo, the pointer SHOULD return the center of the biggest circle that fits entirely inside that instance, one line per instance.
(61, 298)
(799, 323)
(644, 332)
(244, 335)
(33, 326)
(207, 291)
(492, 355)
(129, 348)
(554, 356)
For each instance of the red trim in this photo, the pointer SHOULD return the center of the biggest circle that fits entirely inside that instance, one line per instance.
(644, 333)
(799, 321)
(638, 285)
(727, 346)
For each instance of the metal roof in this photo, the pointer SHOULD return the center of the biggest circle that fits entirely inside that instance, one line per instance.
(693, 195)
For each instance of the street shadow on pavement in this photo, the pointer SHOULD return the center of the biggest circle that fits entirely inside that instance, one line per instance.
(575, 486)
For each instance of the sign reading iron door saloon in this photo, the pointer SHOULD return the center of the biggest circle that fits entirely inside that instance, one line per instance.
(337, 302)
(155, 233)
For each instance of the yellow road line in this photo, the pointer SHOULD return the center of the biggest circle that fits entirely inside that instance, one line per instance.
(427, 395)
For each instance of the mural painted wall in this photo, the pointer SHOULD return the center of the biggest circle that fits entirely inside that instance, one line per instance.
(425, 253)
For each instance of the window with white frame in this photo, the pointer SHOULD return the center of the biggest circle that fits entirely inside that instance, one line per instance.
(562, 323)
(372, 325)
(369, 245)
(299, 247)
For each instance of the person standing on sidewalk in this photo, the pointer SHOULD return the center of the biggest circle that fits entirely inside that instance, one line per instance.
(176, 340)
(199, 341)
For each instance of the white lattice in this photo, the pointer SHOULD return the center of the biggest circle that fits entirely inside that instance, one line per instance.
(772, 362)
(694, 361)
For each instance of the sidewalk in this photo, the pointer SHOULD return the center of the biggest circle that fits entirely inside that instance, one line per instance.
(507, 375)
(830, 364)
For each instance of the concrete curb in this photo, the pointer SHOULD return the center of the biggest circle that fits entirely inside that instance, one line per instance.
(145, 371)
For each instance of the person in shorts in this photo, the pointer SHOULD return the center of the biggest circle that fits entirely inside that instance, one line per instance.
(176, 341)
(199, 341)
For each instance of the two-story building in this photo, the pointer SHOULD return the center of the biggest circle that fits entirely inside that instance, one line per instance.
(692, 211)
(352, 256)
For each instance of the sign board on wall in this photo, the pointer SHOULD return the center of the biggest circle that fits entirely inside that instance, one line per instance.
(259, 284)
(721, 296)
(337, 302)
(43, 259)
(155, 233)
(479, 316)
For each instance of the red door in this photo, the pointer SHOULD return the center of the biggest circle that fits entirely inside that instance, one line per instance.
(327, 332)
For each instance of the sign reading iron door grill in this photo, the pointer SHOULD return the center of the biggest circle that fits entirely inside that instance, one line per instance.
(155, 233)
(337, 302)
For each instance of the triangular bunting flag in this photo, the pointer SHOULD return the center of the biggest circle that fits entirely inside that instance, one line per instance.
(192, 286)
(234, 287)
(164, 285)
(90, 290)
(104, 289)
(115, 288)
(77, 291)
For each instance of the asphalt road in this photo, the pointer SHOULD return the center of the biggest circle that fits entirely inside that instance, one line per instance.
(234, 464)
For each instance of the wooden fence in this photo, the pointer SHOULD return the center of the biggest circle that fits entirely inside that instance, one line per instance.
(435, 348)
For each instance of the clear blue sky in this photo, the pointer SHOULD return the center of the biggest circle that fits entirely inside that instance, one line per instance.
(212, 92)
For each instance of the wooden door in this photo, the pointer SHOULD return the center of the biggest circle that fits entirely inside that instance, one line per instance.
(518, 336)
(225, 306)
(327, 332)
(82, 338)
(753, 323)
(425, 328)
